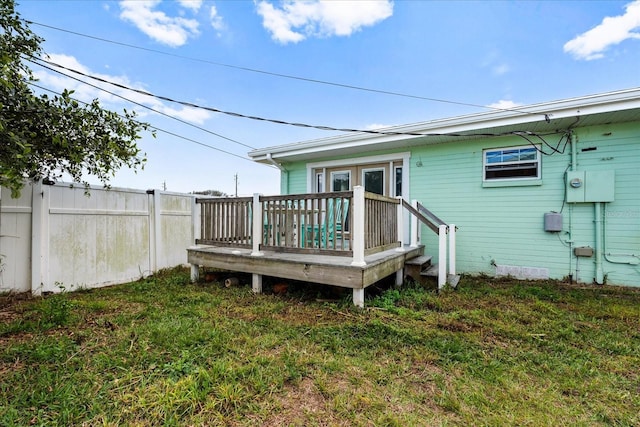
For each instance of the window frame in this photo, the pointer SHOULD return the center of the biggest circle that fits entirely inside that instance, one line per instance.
(537, 161)
(319, 184)
(331, 180)
(397, 182)
(375, 169)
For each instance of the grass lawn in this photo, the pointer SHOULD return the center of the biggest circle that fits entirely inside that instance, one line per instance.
(161, 351)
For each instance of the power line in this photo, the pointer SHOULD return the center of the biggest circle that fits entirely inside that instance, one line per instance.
(276, 121)
(144, 106)
(159, 129)
(286, 76)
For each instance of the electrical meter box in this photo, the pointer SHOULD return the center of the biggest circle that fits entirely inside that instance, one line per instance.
(590, 186)
(575, 186)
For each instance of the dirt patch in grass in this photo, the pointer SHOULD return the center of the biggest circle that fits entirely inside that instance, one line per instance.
(299, 404)
(8, 315)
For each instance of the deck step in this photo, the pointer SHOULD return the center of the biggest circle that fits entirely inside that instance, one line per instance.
(432, 271)
(420, 260)
(453, 279)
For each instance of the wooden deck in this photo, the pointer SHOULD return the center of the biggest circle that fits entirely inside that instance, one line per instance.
(325, 269)
(350, 239)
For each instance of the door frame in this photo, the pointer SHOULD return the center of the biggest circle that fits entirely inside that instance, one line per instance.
(404, 158)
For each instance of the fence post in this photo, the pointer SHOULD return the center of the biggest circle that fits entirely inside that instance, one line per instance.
(358, 226)
(155, 226)
(258, 226)
(452, 249)
(40, 203)
(442, 256)
(415, 229)
(400, 222)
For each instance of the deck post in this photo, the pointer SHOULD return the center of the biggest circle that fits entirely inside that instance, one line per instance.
(399, 277)
(358, 297)
(195, 273)
(358, 227)
(442, 256)
(415, 229)
(400, 221)
(257, 226)
(256, 283)
(452, 249)
(196, 226)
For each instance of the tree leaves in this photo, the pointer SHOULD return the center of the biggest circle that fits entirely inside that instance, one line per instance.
(46, 137)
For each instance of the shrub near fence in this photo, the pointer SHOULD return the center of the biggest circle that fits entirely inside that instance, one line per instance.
(57, 234)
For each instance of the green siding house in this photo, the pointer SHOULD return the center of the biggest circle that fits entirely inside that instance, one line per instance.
(550, 190)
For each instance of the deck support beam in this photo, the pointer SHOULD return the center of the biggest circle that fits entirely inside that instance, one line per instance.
(256, 283)
(358, 297)
(399, 277)
(195, 273)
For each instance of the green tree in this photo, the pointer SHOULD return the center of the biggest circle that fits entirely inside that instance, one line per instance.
(217, 193)
(45, 137)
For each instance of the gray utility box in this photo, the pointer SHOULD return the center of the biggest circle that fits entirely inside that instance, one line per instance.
(553, 222)
(584, 251)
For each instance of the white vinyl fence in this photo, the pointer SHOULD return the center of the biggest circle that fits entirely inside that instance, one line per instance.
(55, 237)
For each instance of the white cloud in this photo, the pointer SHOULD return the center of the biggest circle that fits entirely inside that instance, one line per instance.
(297, 20)
(501, 69)
(493, 60)
(376, 126)
(190, 114)
(172, 31)
(612, 31)
(191, 4)
(87, 93)
(216, 20)
(504, 104)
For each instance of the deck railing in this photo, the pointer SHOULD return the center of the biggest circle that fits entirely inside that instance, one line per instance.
(346, 223)
(380, 222)
(225, 221)
(311, 223)
(421, 214)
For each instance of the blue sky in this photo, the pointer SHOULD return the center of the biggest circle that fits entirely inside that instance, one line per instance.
(224, 54)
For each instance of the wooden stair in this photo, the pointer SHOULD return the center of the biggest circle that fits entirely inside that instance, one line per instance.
(421, 270)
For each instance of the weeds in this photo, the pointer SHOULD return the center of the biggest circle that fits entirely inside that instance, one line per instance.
(55, 310)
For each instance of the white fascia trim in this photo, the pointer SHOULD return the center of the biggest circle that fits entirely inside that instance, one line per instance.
(404, 156)
(582, 106)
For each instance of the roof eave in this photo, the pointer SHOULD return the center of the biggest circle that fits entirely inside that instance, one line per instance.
(549, 111)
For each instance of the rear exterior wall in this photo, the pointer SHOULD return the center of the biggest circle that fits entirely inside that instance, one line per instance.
(501, 228)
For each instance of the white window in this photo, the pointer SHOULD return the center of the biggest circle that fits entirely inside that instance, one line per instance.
(319, 182)
(373, 180)
(398, 180)
(511, 163)
(341, 181)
